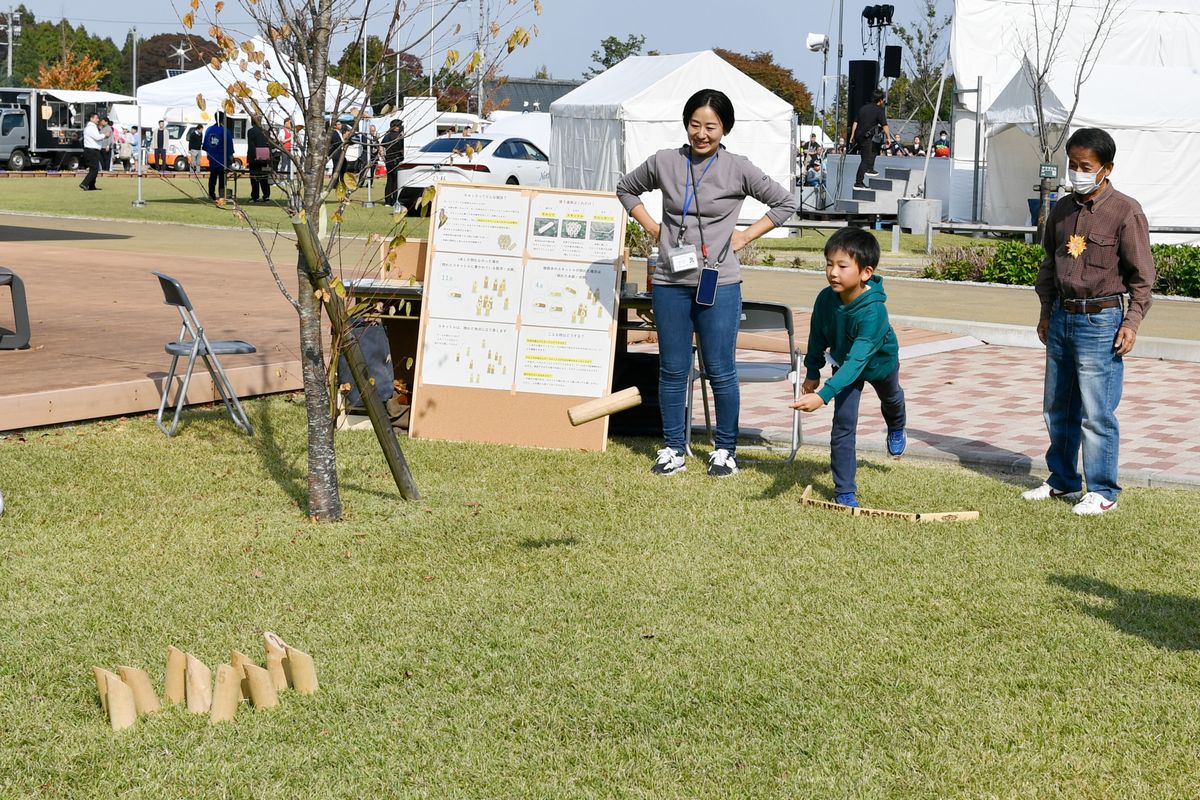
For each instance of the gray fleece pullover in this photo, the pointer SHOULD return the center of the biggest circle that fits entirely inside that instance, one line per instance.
(729, 180)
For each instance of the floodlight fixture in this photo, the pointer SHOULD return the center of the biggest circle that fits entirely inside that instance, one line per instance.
(817, 43)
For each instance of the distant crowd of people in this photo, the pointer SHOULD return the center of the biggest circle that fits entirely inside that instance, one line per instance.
(812, 154)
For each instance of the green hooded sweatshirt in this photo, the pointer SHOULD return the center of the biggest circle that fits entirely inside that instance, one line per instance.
(857, 335)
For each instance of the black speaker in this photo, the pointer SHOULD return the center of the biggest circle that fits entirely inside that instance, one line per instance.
(864, 77)
(891, 61)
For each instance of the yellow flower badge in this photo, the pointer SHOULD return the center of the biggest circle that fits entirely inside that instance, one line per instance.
(1076, 245)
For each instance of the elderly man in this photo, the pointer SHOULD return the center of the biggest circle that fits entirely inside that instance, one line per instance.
(93, 140)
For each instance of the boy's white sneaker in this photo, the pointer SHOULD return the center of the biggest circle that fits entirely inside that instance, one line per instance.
(1048, 492)
(1093, 504)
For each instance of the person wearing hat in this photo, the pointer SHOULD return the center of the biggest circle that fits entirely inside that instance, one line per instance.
(392, 145)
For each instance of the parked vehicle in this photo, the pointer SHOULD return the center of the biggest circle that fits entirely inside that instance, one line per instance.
(44, 127)
(177, 146)
(501, 160)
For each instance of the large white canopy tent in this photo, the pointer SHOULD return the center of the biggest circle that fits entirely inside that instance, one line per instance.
(1140, 91)
(615, 121)
(182, 90)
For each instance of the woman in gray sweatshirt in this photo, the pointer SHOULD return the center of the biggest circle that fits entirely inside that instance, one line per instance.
(703, 186)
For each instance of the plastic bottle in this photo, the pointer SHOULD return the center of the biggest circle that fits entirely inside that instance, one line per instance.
(651, 266)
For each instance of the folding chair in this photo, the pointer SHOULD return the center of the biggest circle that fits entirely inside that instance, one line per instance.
(193, 344)
(18, 339)
(762, 318)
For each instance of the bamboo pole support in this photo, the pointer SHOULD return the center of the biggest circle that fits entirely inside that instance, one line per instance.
(138, 681)
(199, 686)
(226, 695)
(924, 516)
(301, 671)
(319, 274)
(173, 686)
(262, 688)
(101, 675)
(122, 711)
(276, 653)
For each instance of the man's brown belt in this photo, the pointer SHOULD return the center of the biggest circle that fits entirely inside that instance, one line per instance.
(1089, 305)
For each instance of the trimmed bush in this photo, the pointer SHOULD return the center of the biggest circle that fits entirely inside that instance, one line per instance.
(1014, 263)
(1178, 269)
(958, 263)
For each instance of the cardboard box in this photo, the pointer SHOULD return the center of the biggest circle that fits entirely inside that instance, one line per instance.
(405, 262)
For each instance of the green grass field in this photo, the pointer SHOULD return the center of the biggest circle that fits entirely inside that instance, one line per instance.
(184, 200)
(566, 625)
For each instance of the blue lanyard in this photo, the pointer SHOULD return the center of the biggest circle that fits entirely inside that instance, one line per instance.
(687, 187)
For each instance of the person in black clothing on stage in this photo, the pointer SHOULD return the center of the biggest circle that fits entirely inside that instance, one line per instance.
(258, 152)
(870, 120)
(392, 145)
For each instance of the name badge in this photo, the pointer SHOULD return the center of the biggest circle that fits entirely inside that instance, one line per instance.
(684, 258)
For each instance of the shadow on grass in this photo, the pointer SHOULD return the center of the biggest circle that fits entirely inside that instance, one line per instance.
(19, 233)
(1169, 621)
(979, 456)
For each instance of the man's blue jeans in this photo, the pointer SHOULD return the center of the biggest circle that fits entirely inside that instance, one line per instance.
(843, 455)
(1084, 376)
(677, 316)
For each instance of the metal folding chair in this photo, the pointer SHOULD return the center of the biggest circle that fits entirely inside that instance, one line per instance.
(193, 344)
(19, 338)
(758, 317)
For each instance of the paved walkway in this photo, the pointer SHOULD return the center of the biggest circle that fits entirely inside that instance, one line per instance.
(982, 405)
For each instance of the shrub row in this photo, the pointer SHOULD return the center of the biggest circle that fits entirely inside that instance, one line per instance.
(1017, 263)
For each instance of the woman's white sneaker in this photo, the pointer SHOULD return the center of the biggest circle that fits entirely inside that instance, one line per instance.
(668, 462)
(721, 463)
(1093, 504)
(1048, 492)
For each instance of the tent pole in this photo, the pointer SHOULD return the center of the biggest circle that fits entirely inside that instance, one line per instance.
(975, 179)
(937, 113)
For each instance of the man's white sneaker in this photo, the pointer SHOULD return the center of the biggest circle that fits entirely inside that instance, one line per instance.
(1048, 492)
(1093, 504)
(668, 462)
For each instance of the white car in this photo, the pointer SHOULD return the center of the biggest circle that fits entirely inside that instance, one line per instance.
(508, 160)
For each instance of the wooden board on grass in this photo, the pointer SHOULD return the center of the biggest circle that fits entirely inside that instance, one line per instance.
(518, 319)
(934, 516)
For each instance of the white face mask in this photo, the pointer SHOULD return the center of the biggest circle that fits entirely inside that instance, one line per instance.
(1083, 183)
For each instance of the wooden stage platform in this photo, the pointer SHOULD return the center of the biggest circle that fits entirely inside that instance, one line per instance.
(99, 324)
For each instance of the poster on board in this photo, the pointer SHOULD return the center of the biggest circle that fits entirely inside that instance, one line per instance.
(519, 315)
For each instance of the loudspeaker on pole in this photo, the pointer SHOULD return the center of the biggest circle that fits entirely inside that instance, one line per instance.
(891, 61)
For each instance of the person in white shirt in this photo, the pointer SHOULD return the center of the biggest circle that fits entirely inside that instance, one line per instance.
(93, 140)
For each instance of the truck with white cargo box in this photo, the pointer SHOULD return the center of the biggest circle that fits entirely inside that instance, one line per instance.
(44, 127)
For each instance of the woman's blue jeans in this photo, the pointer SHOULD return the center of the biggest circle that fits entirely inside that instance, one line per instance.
(1084, 378)
(843, 453)
(677, 316)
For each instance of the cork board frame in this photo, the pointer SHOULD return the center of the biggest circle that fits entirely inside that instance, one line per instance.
(475, 378)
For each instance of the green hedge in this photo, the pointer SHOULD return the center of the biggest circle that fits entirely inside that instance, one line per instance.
(1017, 263)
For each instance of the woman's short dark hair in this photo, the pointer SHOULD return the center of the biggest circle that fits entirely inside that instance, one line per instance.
(1096, 140)
(714, 99)
(860, 245)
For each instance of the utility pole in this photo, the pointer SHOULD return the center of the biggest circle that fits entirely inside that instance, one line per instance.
(479, 40)
(139, 202)
(9, 24)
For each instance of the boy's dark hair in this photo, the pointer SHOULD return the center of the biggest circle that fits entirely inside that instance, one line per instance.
(877, 95)
(1096, 140)
(860, 245)
(714, 99)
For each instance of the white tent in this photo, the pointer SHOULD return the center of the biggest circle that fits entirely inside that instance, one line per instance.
(1140, 92)
(615, 121)
(531, 125)
(182, 90)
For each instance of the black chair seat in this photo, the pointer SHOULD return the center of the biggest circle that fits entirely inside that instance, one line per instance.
(220, 347)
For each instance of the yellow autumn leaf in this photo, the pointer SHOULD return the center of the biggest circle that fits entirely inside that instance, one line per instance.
(397, 241)
(457, 29)
(451, 58)
(1076, 245)
(537, 7)
(302, 216)
(339, 189)
(217, 8)
(228, 106)
(494, 28)
(476, 60)
(204, 117)
(337, 218)
(339, 288)
(220, 202)
(187, 20)
(195, 4)
(350, 182)
(200, 104)
(276, 89)
(373, 237)
(215, 63)
(248, 47)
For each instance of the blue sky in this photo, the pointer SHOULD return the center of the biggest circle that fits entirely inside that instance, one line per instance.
(571, 29)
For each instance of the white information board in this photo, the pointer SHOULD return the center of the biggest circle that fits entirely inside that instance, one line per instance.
(518, 321)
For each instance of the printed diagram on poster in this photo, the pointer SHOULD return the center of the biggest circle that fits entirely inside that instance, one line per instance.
(474, 286)
(469, 354)
(575, 227)
(569, 362)
(481, 221)
(568, 295)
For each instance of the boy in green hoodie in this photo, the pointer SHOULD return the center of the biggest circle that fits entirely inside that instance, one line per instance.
(850, 323)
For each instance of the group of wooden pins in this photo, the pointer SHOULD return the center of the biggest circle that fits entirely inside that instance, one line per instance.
(126, 694)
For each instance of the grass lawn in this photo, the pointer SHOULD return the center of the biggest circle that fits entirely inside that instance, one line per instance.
(183, 201)
(565, 625)
(812, 242)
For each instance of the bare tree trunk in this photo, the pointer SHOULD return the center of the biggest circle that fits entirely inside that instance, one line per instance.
(324, 500)
(1044, 188)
